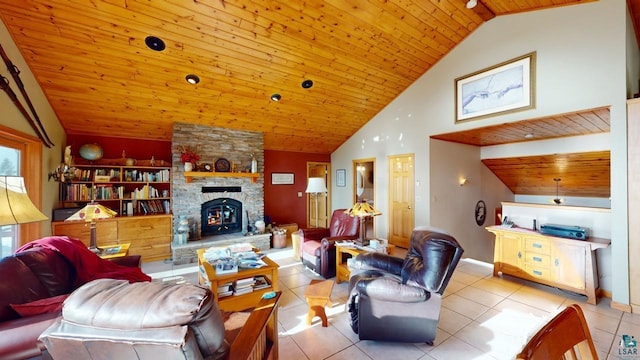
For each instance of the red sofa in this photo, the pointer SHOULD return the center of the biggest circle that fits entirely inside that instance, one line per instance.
(35, 282)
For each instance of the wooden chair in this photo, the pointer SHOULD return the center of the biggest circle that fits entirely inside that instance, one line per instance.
(566, 336)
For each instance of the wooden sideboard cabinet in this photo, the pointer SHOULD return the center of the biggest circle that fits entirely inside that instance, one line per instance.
(564, 263)
(149, 235)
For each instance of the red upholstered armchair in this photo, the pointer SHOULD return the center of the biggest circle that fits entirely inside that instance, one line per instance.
(317, 249)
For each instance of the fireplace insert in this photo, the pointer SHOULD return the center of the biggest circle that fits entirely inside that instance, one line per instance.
(221, 216)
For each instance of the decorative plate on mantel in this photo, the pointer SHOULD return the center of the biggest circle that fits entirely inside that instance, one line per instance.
(223, 165)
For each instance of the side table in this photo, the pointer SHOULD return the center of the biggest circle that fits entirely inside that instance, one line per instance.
(342, 270)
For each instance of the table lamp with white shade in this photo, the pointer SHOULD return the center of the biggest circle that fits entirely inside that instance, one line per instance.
(90, 213)
(316, 186)
(15, 205)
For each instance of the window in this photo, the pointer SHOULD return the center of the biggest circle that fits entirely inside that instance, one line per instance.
(9, 165)
(20, 155)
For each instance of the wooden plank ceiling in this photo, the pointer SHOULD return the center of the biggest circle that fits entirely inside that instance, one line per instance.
(92, 63)
(581, 174)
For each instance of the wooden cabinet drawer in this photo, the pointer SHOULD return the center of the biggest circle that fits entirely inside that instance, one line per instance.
(133, 229)
(540, 260)
(106, 231)
(151, 249)
(537, 245)
(538, 272)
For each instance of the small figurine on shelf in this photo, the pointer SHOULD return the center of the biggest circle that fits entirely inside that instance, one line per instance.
(68, 158)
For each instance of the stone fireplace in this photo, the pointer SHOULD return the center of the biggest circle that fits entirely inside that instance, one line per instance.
(221, 216)
(213, 143)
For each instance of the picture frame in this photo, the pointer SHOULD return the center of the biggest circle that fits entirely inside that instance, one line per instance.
(282, 179)
(341, 177)
(502, 88)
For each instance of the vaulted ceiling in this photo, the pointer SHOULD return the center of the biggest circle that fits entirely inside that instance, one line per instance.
(92, 62)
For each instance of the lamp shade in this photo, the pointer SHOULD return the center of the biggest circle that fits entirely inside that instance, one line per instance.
(92, 211)
(363, 209)
(316, 185)
(15, 205)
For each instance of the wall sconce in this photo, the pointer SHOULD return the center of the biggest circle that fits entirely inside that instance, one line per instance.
(462, 181)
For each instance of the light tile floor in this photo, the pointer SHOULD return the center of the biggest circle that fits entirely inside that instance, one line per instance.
(483, 317)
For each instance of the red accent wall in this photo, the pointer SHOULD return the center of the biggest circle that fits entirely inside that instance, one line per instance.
(113, 146)
(281, 202)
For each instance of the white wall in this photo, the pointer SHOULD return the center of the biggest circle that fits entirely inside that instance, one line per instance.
(581, 64)
(453, 206)
(11, 117)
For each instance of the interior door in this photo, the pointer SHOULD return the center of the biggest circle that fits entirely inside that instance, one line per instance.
(401, 199)
(318, 205)
(364, 190)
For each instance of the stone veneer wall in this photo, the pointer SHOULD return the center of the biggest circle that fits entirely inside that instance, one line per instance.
(213, 143)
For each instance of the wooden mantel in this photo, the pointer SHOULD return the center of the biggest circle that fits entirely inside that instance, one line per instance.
(189, 175)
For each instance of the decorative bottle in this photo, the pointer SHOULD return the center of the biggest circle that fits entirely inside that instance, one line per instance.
(254, 164)
(183, 230)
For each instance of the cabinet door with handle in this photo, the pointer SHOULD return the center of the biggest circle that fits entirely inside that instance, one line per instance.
(569, 265)
(511, 257)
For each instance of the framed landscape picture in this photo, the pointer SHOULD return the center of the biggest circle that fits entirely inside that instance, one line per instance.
(506, 87)
(282, 179)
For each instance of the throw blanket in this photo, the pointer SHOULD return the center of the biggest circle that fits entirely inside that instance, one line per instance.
(88, 265)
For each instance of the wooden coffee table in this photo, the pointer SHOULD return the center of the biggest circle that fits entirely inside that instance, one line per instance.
(208, 277)
(318, 295)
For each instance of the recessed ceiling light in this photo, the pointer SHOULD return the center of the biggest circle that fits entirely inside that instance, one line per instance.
(192, 79)
(471, 4)
(307, 84)
(154, 43)
(276, 97)
(528, 136)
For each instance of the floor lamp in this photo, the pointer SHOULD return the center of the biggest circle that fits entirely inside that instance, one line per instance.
(90, 213)
(15, 205)
(316, 186)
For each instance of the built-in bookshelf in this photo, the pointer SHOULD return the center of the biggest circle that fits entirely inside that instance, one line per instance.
(128, 190)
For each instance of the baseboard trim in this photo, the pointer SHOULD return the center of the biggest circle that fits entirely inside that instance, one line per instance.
(622, 307)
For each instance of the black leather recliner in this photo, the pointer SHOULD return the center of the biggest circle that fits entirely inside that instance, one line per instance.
(393, 299)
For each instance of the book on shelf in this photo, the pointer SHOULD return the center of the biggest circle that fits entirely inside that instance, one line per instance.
(244, 282)
(243, 286)
(261, 282)
(243, 291)
(225, 294)
(225, 287)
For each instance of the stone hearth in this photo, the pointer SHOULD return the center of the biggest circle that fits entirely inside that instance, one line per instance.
(212, 144)
(187, 253)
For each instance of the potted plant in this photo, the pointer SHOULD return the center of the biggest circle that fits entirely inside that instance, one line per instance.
(188, 157)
